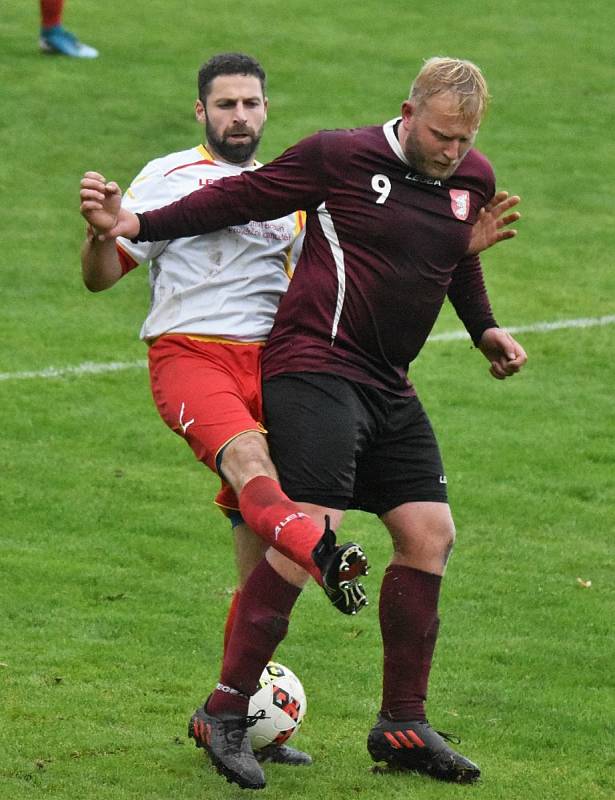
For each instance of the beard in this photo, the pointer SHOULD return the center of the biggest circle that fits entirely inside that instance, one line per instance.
(231, 151)
(428, 167)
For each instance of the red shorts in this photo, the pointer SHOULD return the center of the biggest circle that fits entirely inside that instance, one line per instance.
(208, 392)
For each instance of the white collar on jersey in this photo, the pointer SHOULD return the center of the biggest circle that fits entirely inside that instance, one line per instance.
(391, 137)
(205, 152)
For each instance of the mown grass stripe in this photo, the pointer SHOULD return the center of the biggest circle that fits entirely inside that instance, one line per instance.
(87, 368)
(94, 368)
(536, 327)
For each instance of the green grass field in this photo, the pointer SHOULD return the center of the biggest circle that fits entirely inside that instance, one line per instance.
(116, 570)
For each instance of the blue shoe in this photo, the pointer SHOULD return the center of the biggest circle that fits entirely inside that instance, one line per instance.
(59, 41)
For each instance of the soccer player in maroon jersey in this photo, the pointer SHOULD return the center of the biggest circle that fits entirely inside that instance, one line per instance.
(394, 217)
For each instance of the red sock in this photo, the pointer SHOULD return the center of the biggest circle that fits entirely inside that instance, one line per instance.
(230, 618)
(409, 624)
(51, 13)
(277, 520)
(261, 623)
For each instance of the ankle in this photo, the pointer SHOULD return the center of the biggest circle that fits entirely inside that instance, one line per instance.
(226, 700)
(414, 711)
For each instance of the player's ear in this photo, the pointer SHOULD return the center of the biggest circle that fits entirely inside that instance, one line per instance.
(199, 112)
(408, 109)
(266, 105)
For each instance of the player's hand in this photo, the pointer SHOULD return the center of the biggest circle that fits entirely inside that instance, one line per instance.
(100, 203)
(493, 219)
(127, 225)
(504, 354)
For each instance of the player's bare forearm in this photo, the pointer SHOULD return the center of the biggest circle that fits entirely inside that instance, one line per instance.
(100, 206)
(100, 265)
(492, 224)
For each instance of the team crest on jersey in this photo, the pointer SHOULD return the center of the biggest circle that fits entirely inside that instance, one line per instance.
(460, 202)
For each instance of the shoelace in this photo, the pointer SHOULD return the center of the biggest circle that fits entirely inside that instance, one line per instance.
(234, 728)
(254, 718)
(449, 737)
(243, 723)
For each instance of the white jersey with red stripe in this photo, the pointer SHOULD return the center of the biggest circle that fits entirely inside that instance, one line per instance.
(226, 284)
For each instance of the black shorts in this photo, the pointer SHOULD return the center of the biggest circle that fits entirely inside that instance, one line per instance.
(342, 444)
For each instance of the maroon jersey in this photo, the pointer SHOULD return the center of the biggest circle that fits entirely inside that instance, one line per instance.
(384, 246)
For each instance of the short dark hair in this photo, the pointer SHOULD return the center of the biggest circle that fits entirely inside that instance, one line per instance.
(228, 64)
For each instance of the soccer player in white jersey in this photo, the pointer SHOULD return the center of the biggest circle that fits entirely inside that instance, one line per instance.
(213, 301)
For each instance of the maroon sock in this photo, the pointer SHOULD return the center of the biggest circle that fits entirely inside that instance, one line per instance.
(280, 522)
(409, 624)
(260, 624)
(230, 618)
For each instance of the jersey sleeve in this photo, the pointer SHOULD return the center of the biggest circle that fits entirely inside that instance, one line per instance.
(485, 177)
(467, 291)
(295, 180)
(148, 190)
(468, 294)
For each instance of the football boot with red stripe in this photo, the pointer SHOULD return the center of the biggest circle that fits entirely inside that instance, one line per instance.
(341, 567)
(226, 740)
(416, 746)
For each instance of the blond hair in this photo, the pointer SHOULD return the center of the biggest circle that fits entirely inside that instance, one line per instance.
(462, 78)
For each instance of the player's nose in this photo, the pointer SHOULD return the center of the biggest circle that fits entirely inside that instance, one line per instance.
(452, 150)
(240, 113)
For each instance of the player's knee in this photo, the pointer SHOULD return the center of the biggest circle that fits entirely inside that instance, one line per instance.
(442, 537)
(432, 543)
(244, 458)
(448, 543)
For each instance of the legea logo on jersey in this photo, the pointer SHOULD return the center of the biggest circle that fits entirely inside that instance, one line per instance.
(460, 202)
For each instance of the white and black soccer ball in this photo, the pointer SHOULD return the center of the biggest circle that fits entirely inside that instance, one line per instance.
(280, 703)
